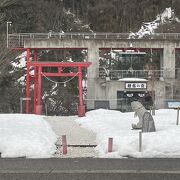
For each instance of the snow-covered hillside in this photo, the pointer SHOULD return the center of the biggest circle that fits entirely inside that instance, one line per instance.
(148, 28)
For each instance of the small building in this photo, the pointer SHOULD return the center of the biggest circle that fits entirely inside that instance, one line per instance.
(122, 69)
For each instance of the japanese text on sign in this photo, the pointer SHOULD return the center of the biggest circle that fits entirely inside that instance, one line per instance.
(135, 85)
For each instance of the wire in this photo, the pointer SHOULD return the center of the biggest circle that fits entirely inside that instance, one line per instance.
(64, 82)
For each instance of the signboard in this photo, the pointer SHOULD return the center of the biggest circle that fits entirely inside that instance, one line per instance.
(173, 104)
(135, 85)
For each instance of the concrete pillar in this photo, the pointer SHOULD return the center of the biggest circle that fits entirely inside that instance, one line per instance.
(111, 92)
(112, 88)
(161, 63)
(93, 57)
(169, 61)
(93, 74)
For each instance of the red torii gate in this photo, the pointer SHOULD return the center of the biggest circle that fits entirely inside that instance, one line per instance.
(37, 79)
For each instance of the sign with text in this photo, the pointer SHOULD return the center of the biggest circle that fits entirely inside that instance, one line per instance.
(136, 85)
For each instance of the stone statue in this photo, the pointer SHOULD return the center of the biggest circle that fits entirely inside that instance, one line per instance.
(139, 111)
(146, 122)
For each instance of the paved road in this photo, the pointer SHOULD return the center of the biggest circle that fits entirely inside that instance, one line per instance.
(89, 168)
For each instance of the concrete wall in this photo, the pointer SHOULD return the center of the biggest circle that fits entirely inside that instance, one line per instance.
(104, 43)
(111, 88)
(99, 89)
(168, 47)
(160, 95)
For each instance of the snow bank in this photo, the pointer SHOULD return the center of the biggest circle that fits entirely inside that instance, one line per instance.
(26, 135)
(165, 142)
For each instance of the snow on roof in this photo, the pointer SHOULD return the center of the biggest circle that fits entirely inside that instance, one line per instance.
(133, 80)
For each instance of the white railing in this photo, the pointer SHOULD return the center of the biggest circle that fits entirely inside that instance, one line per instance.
(146, 74)
(17, 39)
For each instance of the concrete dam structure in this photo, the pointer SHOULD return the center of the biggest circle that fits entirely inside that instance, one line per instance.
(144, 69)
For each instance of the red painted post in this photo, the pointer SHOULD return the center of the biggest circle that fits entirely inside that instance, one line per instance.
(39, 106)
(110, 144)
(35, 81)
(81, 109)
(64, 144)
(27, 79)
(59, 69)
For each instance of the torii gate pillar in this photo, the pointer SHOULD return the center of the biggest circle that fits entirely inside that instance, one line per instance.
(81, 108)
(38, 66)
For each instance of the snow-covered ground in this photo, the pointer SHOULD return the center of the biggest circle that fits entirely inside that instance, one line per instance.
(165, 142)
(26, 135)
(31, 135)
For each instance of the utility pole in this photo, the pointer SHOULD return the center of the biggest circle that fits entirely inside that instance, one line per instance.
(8, 23)
(61, 15)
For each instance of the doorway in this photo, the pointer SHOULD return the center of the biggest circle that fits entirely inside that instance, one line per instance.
(124, 99)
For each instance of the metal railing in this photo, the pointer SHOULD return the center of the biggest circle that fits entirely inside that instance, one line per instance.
(17, 39)
(146, 74)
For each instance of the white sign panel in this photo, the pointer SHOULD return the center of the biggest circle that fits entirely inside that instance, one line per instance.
(136, 85)
(173, 104)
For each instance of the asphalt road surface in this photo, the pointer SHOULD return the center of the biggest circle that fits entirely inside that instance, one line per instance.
(89, 169)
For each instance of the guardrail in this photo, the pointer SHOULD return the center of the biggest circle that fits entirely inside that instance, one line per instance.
(16, 40)
(146, 74)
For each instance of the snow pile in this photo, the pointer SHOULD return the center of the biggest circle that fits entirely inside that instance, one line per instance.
(149, 27)
(165, 142)
(26, 135)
